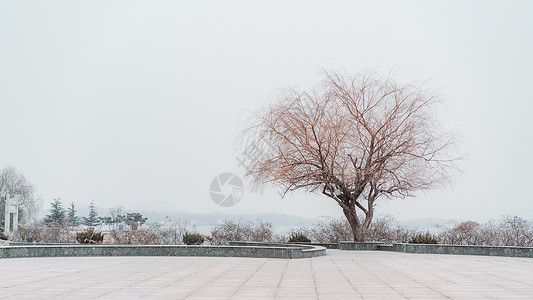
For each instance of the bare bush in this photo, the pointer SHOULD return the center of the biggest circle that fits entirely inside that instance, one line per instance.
(466, 233)
(332, 231)
(510, 231)
(383, 229)
(228, 231)
(133, 237)
(168, 235)
(40, 233)
(386, 229)
(488, 235)
(515, 231)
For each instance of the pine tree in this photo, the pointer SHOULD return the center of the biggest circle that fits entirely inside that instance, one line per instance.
(134, 220)
(57, 213)
(92, 220)
(72, 218)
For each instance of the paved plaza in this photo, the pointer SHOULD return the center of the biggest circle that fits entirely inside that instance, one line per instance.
(339, 275)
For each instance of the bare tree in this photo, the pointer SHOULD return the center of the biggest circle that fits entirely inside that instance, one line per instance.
(353, 139)
(12, 183)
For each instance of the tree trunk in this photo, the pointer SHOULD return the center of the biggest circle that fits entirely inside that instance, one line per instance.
(368, 218)
(355, 224)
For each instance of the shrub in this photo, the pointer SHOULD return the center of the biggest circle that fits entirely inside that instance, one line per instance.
(510, 231)
(41, 233)
(193, 238)
(3, 236)
(298, 237)
(383, 229)
(466, 233)
(167, 235)
(247, 231)
(423, 238)
(515, 231)
(90, 236)
(386, 229)
(332, 231)
(133, 237)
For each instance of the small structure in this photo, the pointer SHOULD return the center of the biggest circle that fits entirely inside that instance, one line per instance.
(11, 219)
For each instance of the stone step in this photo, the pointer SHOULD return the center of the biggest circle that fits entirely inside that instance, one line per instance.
(385, 247)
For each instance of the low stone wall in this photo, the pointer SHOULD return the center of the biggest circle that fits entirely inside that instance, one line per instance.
(326, 245)
(359, 246)
(294, 250)
(464, 250)
(40, 244)
(245, 250)
(439, 249)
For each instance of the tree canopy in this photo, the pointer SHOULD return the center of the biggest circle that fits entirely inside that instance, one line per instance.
(13, 183)
(73, 219)
(57, 214)
(92, 219)
(352, 139)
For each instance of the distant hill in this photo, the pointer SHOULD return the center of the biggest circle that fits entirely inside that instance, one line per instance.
(171, 214)
(209, 219)
(429, 224)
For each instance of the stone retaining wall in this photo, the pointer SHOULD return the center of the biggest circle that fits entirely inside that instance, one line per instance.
(245, 250)
(359, 246)
(326, 245)
(250, 249)
(440, 249)
(464, 250)
(295, 250)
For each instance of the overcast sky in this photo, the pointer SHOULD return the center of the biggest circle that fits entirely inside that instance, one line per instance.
(138, 103)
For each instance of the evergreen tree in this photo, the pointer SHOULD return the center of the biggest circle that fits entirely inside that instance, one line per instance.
(134, 220)
(57, 214)
(71, 214)
(92, 220)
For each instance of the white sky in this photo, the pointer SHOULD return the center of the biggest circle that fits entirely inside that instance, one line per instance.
(138, 102)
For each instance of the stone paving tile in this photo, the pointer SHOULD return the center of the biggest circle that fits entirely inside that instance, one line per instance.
(339, 275)
(346, 296)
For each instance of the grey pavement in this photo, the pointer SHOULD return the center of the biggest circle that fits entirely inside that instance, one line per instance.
(339, 275)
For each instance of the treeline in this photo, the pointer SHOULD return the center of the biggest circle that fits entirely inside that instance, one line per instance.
(14, 185)
(59, 216)
(508, 231)
(64, 225)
